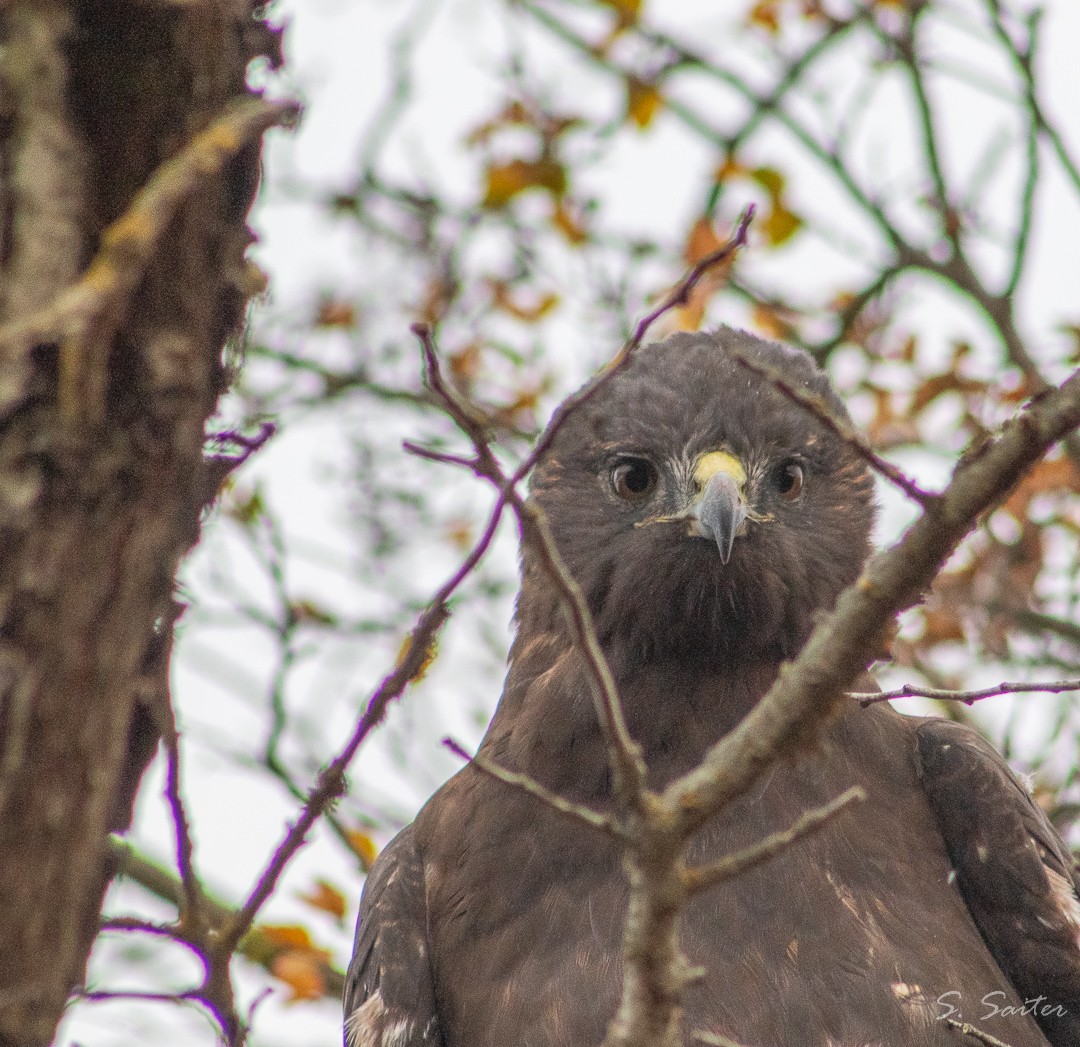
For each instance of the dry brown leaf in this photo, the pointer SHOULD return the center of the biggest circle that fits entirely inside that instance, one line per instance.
(529, 312)
(643, 101)
(325, 897)
(505, 181)
(363, 846)
(302, 973)
(332, 313)
(627, 11)
(288, 936)
(765, 14)
(701, 242)
(1050, 476)
(465, 364)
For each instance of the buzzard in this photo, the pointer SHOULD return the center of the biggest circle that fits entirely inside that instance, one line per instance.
(708, 520)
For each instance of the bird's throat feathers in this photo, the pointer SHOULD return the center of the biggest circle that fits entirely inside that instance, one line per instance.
(675, 708)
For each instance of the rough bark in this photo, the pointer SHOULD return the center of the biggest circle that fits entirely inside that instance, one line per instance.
(101, 437)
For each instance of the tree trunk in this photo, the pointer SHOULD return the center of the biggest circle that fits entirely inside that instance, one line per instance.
(101, 430)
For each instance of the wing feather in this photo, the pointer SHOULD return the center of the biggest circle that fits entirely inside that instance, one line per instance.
(1015, 874)
(389, 990)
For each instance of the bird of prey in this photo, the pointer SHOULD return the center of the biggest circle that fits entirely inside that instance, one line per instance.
(708, 520)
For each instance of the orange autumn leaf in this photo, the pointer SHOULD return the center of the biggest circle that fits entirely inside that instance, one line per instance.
(334, 314)
(437, 296)
(771, 180)
(465, 363)
(643, 101)
(310, 613)
(942, 625)
(765, 14)
(626, 11)
(701, 242)
(769, 322)
(505, 181)
(930, 388)
(566, 223)
(780, 224)
(247, 509)
(325, 897)
(363, 846)
(512, 114)
(687, 317)
(1050, 476)
(425, 664)
(460, 534)
(889, 428)
(526, 400)
(730, 168)
(302, 973)
(288, 936)
(530, 312)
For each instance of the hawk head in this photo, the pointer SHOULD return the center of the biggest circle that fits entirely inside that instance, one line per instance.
(702, 512)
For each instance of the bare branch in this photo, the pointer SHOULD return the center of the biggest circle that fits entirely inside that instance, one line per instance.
(411, 664)
(190, 909)
(849, 638)
(593, 819)
(431, 455)
(967, 697)
(623, 752)
(975, 1033)
(255, 946)
(677, 296)
(817, 407)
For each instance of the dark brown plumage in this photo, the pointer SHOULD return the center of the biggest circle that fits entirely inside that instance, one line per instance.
(493, 921)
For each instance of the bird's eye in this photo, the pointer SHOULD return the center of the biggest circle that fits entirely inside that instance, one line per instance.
(789, 479)
(633, 478)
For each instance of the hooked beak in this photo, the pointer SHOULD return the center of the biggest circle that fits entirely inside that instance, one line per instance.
(720, 509)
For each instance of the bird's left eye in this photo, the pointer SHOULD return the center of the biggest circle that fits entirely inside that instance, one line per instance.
(789, 479)
(633, 478)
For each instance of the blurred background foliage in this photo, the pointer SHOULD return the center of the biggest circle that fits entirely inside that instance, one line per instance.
(528, 176)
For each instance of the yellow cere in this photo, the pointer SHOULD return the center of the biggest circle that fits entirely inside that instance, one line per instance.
(708, 465)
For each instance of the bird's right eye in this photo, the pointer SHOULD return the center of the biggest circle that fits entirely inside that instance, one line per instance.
(633, 478)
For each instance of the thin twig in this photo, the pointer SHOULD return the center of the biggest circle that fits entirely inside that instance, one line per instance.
(191, 907)
(162, 883)
(412, 662)
(978, 1034)
(817, 407)
(106, 995)
(593, 819)
(623, 753)
(129, 924)
(702, 877)
(677, 296)
(429, 454)
(792, 712)
(967, 697)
